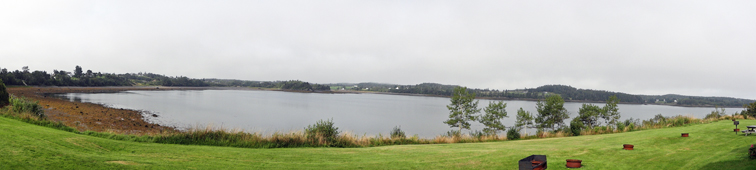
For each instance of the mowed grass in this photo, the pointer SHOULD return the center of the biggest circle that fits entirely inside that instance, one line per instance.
(710, 146)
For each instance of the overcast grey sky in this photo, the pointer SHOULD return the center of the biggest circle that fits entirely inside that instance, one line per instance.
(705, 48)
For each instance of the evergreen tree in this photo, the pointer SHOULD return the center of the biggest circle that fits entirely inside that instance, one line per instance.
(551, 114)
(462, 108)
(492, 119)
(524, 119)
(610, 113)
(750, 110)
(589, 114)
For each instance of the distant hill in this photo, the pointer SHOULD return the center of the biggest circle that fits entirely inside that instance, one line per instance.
(568, 93)
(90, 78)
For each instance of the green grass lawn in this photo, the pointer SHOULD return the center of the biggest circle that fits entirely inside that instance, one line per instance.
(711, 146)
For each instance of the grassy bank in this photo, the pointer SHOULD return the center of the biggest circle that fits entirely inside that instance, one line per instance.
(711, 146)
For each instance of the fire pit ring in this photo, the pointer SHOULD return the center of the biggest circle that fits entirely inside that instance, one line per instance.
(628, 146)
(574, 163)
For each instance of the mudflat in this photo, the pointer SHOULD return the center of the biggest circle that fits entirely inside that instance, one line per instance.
(94, 117)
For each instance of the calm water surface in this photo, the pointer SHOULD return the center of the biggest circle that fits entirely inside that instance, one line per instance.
(370, 114)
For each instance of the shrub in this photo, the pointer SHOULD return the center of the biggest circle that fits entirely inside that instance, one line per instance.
(323, 132)
(621, 127)
(513, 133)
(631, 127)
(397, 133)
(21, 105)
(576, 127)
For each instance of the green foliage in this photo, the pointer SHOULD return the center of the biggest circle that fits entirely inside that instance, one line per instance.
(495, 111)
(551, 114)
(22, 105)
(524, 119)
(304, 86)
(588, 115)
(567, 93)
(462, 108)
(610, 112)
(576, 126)
(513, 133)
(572, 93)
(78, 72)
(750, 109)
(716, 113)
(4, 96)
(323, 132)
(697, 100)
(62, 78)
(397, 133)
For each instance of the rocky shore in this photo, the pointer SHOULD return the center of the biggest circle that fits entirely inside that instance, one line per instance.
(94, 117)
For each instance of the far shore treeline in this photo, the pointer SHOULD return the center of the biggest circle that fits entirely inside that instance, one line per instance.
(79, 77)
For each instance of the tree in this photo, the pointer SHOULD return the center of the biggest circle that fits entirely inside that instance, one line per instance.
(78, 72)
(610, 113)
(4, 96)
(462, 108)
(750, 109)
(589, 114)
(524, 119)
(492, 119)
(551, 115)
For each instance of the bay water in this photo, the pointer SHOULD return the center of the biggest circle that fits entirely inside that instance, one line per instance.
(360, 114)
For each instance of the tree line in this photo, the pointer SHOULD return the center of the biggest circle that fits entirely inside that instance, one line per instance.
(567, 92)
(550, 117)
(79, 77)
(61, 78)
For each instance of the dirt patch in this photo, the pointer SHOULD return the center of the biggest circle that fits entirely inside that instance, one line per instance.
(122, 162)
(94, 117)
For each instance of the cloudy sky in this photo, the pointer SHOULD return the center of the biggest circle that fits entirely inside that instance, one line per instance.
(639, 47)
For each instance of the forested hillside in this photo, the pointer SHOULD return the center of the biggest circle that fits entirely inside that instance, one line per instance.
(79, 77)
(566, 92)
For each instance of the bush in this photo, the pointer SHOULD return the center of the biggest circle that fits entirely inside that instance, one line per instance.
(397, 133)
(322, 132)
(631, 127)
(513, 133)
(576, 127)
(4, 96)
(620, 126)
(21, 105)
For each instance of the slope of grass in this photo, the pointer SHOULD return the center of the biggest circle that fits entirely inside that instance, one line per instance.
(711, 146)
